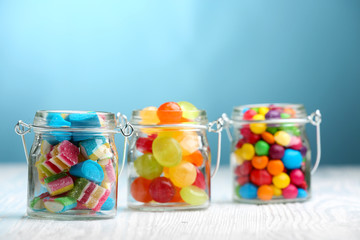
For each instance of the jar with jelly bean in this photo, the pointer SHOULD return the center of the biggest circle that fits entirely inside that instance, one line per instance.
(72, 164)
(169, 158)
(270, 154)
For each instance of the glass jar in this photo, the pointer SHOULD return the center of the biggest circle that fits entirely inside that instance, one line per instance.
(270, 153)
(169, 164)
(72, 164)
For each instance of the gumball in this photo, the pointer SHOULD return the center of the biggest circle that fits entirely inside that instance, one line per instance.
(290, 192)
(147, 166)
(263, 110)
(276, 151)
(302, 193)
(144, 145)
(260, 162)
(268, 137)
(272, 114)
(240, 143)
(277, 191)
(247, 151)
(295, 143)
(281, 181)
(262, 148)
(241, 180)
(260, 177)
(148, 116)
(275, 167)
(297, 177)
(162, 190)
(139, 189)
(265, 192)
(200, 180)
(189, 111)
(194, 195)
(292, 159)
(249, 114)
(167, 151)
(248, 191)
(195, 158)
(182, 175)
(282, 138)
(258, 128)
(169, 112)
(243, 169)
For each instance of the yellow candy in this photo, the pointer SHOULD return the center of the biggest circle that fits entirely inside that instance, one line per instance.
(247, 151)
(148, 116)
(263, 110)
(189, 140)
(282, 138)
(281, 181)
(258, 128)
(277, 191)
(183, 175)
(236, 155)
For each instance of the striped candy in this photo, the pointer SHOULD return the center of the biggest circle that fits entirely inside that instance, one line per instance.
(37, 204)
(96, 148)
(109, 171)
(59, 204)
(58, 184)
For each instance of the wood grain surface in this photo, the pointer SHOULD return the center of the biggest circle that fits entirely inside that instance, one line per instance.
(332, 213)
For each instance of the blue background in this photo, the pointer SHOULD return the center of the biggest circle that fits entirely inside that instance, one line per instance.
(123, 55)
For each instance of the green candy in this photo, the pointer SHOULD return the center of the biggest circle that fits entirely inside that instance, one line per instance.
(272, 130)
(285, 115)
(262, 148)
(147, 166)
(79, 185)
(255, 109)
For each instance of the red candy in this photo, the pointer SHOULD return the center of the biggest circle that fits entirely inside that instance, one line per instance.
(169, 112)
(253, 138)
(260, 177)
(249, 114)
(241, 180)
(290, 192)
(140, 189)
(240, 143)
(243, 169)
(144, 145)
(162, 190)
(297, 177)
(200, 180)
(245, 132)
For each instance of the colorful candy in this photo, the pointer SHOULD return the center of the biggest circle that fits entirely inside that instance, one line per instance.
(161, 190)
(88, 169)
(58, 184)
(167, 151)
(37, 203)
(59, 204)
(183, 175)
(189, 111)
(96, 148)
(139, 190)
(147, 166)
(292, 159)
(169, 113)
(194, 195)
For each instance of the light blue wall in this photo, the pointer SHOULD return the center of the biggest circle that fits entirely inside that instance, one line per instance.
(122, 55)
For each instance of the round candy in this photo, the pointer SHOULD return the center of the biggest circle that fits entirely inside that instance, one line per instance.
(177, 196)
(183, 174)
(247, 151)
(195, 158)
(253, 138)
(260, 177)
(147, 166)
(290, 111)
(258, 128)
(268, 137)
(189, 142)
(241, 180)
(282, 138)
(248, 191)
(290, 192)
(263, 110)
(303, 185)
(167, 151)
(240, 143)
(297, 177)
(272, 114)
(144, 145)
(139, 189)
(276, 151)
(285, 115)
(262, 148)
(260, 162)
(200, 180)
(302, 193)
(243, 169)
(169, 112)
(194, 195)
(245, 132)
(281, 181)
(272, 130)
(277, 191)
(148, 116)
(265, 192)
(236, 156)
(292, 159)
(275, 167)
(249, 114)
(189, 111)
(295, 143)
(162, 190)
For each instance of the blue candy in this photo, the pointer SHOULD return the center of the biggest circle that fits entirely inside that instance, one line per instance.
(84, 120)
(88, 169)
(57, 121)
(302, 193)
(88, 147)
(292, 159)
(248, 191)
(108, 204)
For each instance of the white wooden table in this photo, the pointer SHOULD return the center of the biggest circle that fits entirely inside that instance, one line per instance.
(332, 213)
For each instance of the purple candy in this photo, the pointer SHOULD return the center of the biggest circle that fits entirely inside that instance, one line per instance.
(303, 151)
(276, 151)
(272, 114)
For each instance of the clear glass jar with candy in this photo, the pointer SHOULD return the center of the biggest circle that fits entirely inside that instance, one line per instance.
(72, 164)
(270, 154)
(169, 158)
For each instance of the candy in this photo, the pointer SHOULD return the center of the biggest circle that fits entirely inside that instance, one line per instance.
(88, 169)
(282, 138)
(57, 121)
(258, 128)
(169, 113)
(45, 147)
(262, 148)
(272, 114)
(297, 177)
(277, 191)
(177, 196)
(108, 204)
(59, 204)
(148, 116)
(290, 192)
(147, 166)
(96, 148)
(144, 145)
(253, 138)
(292, 159)
(260, 162)
(189, 111)
(139, 189)
(236, 156)
(189, 142)
(285, 115)
(265, 192)
(247, 151)
(183, 175)
(295, 143)
(268, 137)
(276, 151)
(58, 184)
(272, 130)
(302, 193)
(263, 110)
(195, 158)
(248, 191)
(281, 181)
(260, 177)
(243, 169)
(249, 114)
(241, 180)
(200, 180)
(275, 167)
(161, 190)
(167, 151)
(84, 120)
(194, 195)
(37, 203)
(108, 169)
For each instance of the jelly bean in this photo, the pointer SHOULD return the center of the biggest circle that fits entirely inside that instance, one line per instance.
(297, 177)
(195, 158)
(262, 148)
(240, 143)
(183, 174)
(285, 115)
(241, 180)
(272, 114)
(169, 112)
(282, 138)
(249, 114)
(243, 169)
(139, 189)
(295, 143)
(200, 180)
(276, 151)
(265, 192)
(161, 190)
(194, 195)
(147, 166)
(148, 116)
(258, 128)
(281, 181)
(144, 145)
(275, 167)
(167, 151)
(189, 142)
(247, 151)
(268, 137)
(260, 177)
(272, 130)
(189, 111)
(277, 191)
(260, 162)
(302, 193)
(290, 192)
(263, 110)
(248, 191)
(292, 159)
(236, 156)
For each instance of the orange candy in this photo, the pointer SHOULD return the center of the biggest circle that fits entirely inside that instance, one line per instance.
(268, 137)
(140, 189)
(275, 167)
(169, 112)
(265, 192)
(260, 162)
(195, 158)
(290, 111)
(177, 196)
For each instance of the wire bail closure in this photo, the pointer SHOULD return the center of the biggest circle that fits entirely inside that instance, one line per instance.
(22, 128)
(219, 123)
(126, 130)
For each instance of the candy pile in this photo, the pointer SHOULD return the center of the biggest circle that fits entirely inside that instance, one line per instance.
(169, 162)
(75, 169)
(270, 159)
